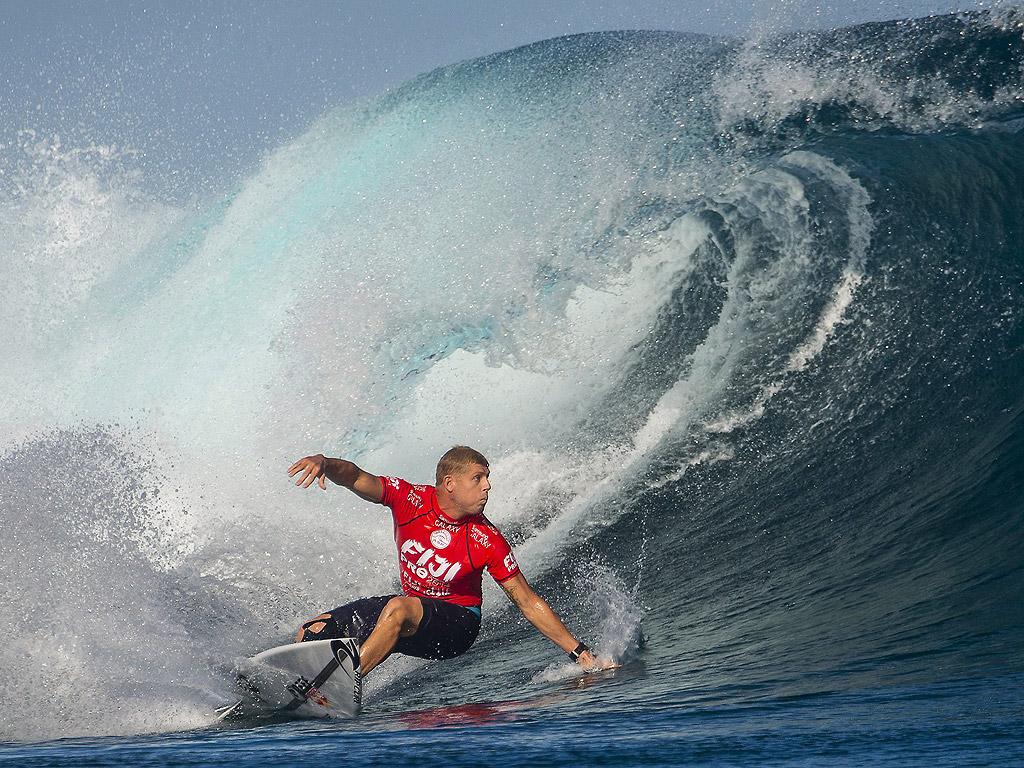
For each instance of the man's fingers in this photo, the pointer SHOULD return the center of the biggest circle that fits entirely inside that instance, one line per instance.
(592, 663)
(311, 469)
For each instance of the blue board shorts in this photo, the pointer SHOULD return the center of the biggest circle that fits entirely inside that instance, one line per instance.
(447, 630)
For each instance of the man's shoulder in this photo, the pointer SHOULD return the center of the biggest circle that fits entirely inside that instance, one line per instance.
(493, 547)
(483, 531)
(400, 492)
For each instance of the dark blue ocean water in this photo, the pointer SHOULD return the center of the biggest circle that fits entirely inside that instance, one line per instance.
(739, 324)
(965, 722)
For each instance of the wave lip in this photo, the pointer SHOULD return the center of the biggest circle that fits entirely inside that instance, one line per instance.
(915, 76)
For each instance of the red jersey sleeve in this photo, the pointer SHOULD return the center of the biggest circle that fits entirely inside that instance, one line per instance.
(501, 563)
(405, 499)
(392, 490)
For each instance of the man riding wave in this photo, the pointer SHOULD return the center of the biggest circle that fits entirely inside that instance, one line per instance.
(444, 545)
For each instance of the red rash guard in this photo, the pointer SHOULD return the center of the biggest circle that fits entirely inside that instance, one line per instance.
(441, 558)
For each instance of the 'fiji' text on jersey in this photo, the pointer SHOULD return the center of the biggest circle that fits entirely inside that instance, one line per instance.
(426, 563)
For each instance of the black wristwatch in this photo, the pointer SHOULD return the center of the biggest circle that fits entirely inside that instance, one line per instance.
(576, 652)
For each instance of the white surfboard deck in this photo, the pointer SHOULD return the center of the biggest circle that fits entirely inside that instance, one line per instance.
(320, 678)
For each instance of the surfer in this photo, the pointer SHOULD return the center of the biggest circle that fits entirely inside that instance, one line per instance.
(444, 544)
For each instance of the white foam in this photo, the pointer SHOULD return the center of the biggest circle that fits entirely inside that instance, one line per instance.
(771, 82)
(858, 227)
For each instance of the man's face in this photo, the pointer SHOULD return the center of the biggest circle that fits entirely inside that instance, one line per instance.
(468, 489)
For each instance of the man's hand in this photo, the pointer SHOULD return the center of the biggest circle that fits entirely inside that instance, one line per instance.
(591, 663)
(319, 469)
(314, 468)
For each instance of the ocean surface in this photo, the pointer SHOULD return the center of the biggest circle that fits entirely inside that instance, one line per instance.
(740, 325)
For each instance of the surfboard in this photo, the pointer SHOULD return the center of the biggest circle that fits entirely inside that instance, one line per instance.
(320, 678)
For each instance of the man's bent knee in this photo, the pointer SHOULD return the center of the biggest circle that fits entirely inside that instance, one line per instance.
(407, 612)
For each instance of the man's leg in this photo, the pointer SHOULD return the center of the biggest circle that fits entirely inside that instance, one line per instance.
(400, 618)
(355, 619)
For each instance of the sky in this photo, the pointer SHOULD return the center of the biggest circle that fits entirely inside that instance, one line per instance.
(222, 81)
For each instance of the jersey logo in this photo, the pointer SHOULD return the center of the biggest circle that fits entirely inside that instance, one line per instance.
(478, 535)
(440, 538)
(425, 563)
(510, 563)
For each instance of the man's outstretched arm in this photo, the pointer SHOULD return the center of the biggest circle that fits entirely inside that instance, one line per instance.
(539, 613)
(340, 472)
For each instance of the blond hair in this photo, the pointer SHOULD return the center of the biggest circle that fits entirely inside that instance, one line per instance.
(458, 459)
